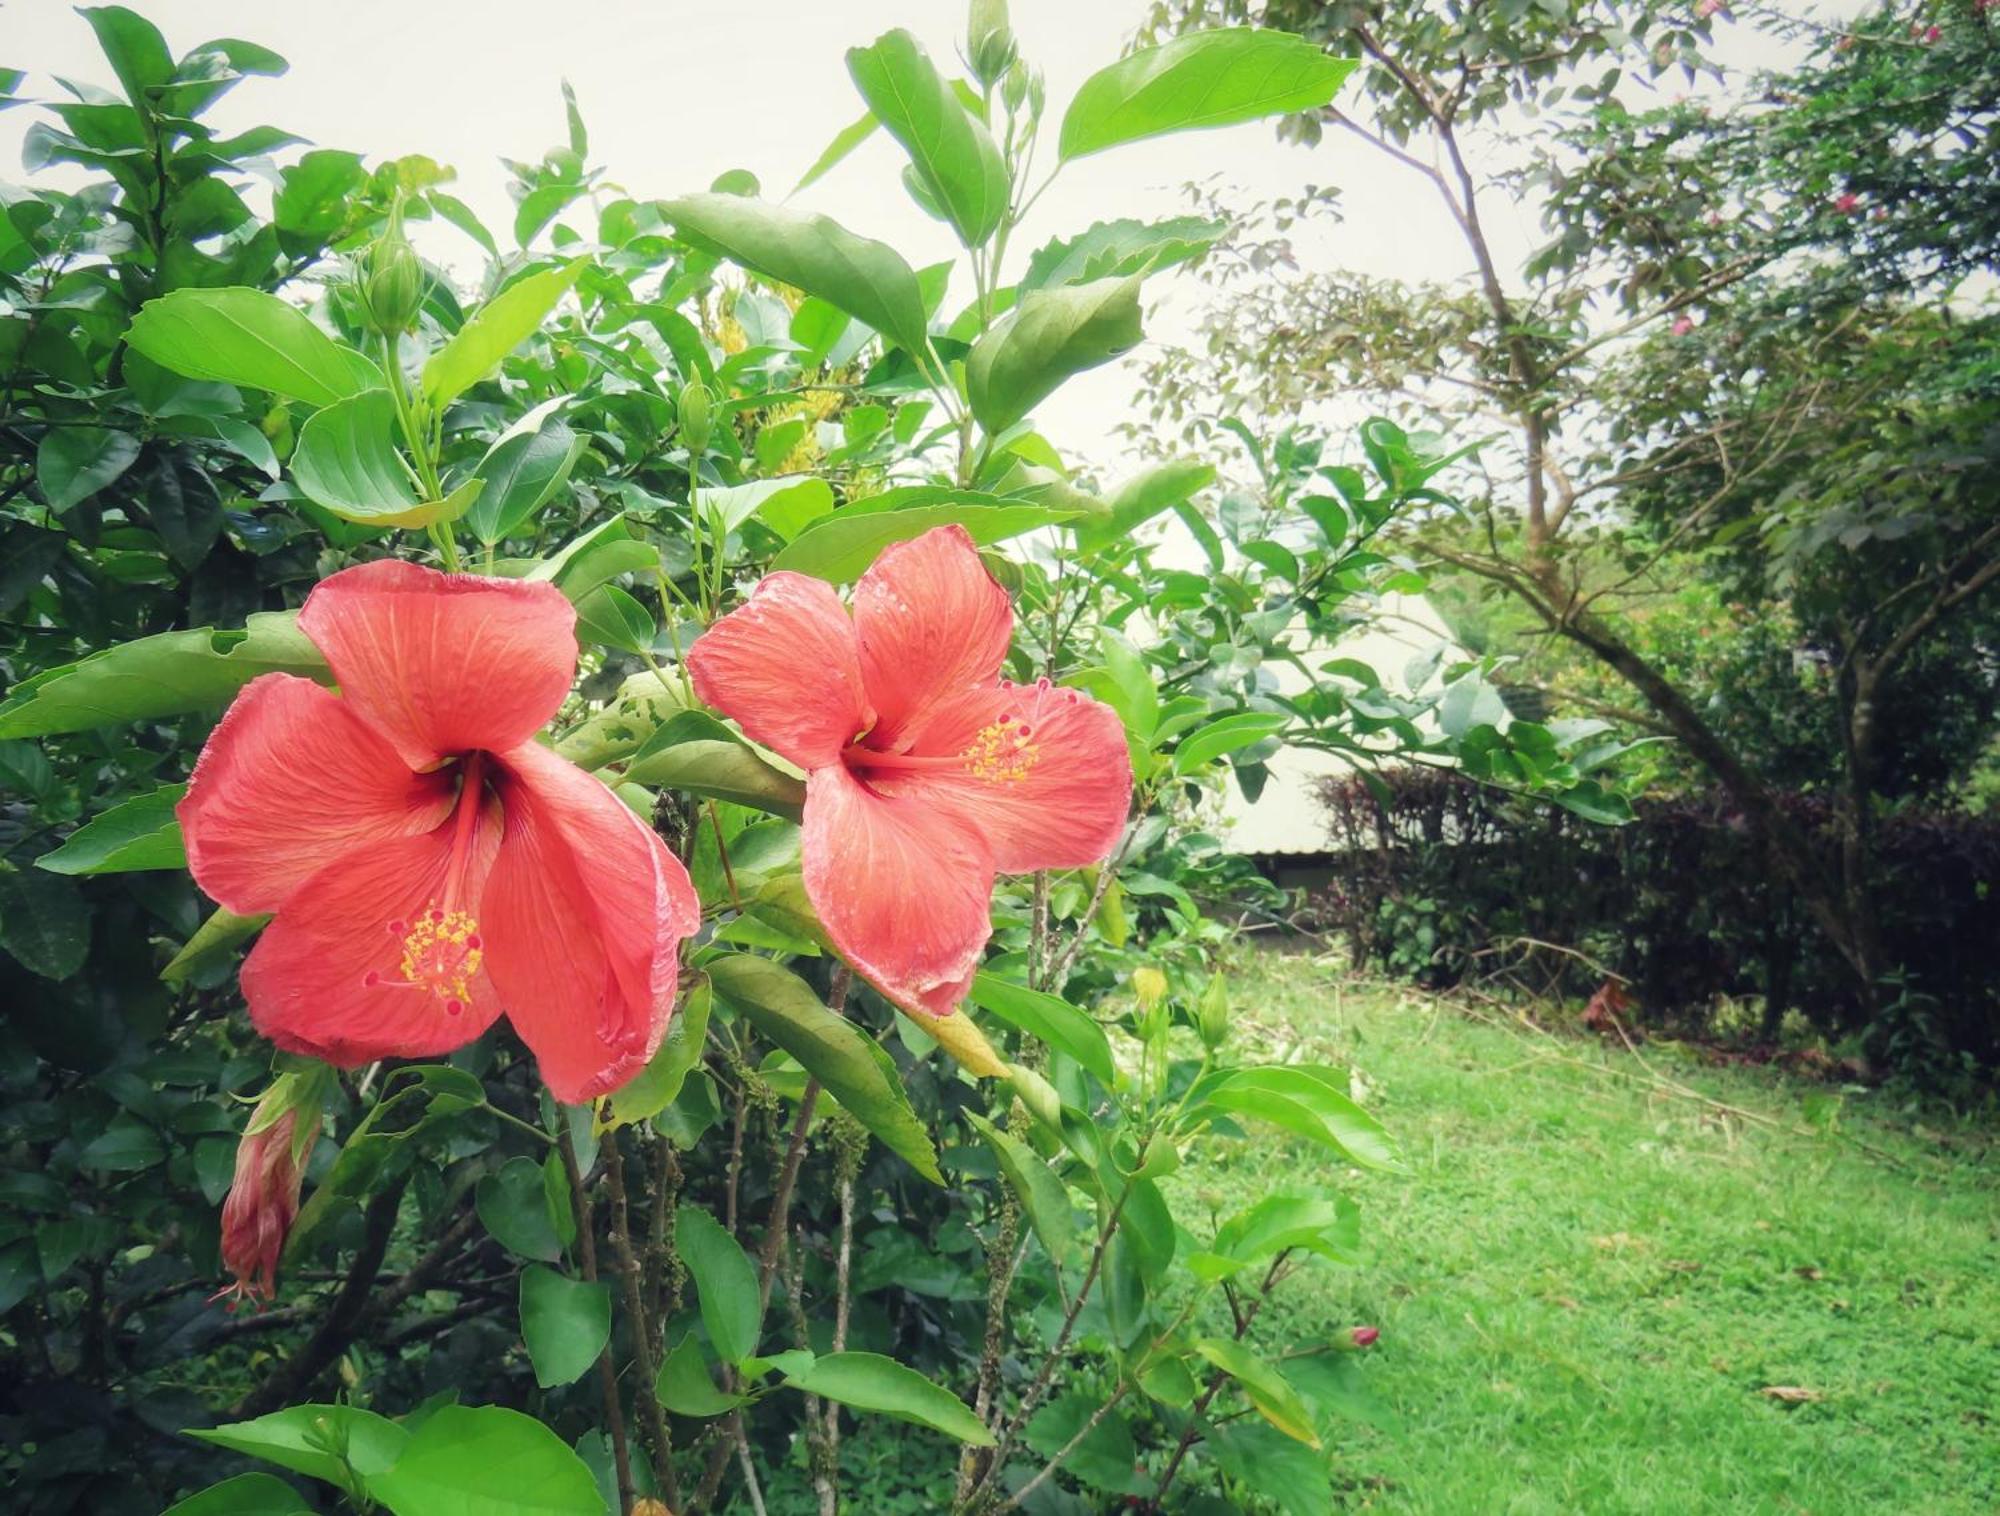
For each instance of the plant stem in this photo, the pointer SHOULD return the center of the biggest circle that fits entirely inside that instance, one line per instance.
(607, 1373)
(640, 1325)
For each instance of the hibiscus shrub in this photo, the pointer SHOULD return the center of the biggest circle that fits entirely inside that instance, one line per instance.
(625, 1012)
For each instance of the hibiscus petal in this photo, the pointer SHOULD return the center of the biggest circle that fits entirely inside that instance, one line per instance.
(584, 913)
(1045, 776)
(902, 888)
(784, 665)
(327, 976)
(444, 663)
(291, 778)
(932, 622)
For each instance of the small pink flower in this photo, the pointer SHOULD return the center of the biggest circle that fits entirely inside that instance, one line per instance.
(264, 1197)
(1847, 203)
(1709, 8)
(1932, 34)
(1683, 325)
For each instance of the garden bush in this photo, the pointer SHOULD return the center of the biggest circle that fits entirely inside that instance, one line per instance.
(1446, 880)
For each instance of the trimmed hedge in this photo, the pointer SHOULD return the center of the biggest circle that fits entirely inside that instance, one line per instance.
(1448, 880)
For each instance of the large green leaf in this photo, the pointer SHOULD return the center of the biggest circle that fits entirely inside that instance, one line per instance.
(523, 469)
(214, 939)
(44, 923)
(347, 462)
(1050, 335)
(695, 752)
(140, 833)
(1302, 1099)
(495, 330)
(1212, 78)
(683, 1385)
(839, 548)
(855, 1071)
(1048, 1019)
(1276, 1401)
(134, 47)
(247, 337)
(317, 1440)
(1041, 1193)
(658, 1084)
(725, 1283)
(1226, 734)
(845, 141)
(870, 1382)
(72, 463)
(1139, 500)
(166, 675)
(513, 1204)
(565, 1323)
(953, 154)
(245, 1495)
(867, 279)
(487, 1461)
(1113, 249)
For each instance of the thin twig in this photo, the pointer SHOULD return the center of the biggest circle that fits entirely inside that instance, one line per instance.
(607, 1373)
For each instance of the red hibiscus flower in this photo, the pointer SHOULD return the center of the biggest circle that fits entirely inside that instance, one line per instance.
(927, 772)
(431, 866)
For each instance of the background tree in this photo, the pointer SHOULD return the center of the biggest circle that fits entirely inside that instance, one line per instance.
(1745, 353)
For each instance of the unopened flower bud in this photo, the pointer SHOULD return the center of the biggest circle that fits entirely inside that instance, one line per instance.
(1212, 1017)
(989, 41)
(263, 1199)
(1355, 1338)
(695, 411)
(1150, 986)
(1014, 88)
(392, 282)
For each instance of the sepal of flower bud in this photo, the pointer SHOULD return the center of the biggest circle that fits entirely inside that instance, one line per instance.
(263, 1199)
(694, 411)
(989, 40)
(392, 282)
(1212, 1017)
(1354, 1339)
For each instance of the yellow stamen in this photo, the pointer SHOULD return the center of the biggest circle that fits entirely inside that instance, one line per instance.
(1002, 753)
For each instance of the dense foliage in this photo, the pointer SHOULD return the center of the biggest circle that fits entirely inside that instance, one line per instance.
(1678, 911)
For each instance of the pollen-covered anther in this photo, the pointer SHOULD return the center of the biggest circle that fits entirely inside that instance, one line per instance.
(441, 953)
(1003, 752)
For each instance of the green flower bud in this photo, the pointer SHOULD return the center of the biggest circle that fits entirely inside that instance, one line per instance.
(989, 41)
(392, 282)
(1014, 88)
(695, 411)
(1212, 1017)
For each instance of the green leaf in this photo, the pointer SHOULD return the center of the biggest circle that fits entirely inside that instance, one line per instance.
(1050, 335)
(869, 280)
(487, 1461)
(222, 933)
(44, 923)
(1276, 1401)
(244, 336)
(513, 1205)
(320, 1441)
(655, 1087)
(1329, 1225)
(725, 1283)
(495, 330)
(347, 462)
(166, 675)
(245, 1495)
(72, 463)
(565, 1322)
(1048, 1019)
(683, 1385)
(1226, 734)
(1113, 249)
(693, 751)
(870, 1382)
(1139, 500)
(125, 1146)
(523, 469)
(845, 141)
(1041, 1193)
(611, 617)
(1303, 1100)
(1211, 78)
(136, 834)
(137, 52)
(839, 548)
(953, 154)
(855, 1071)
(787, 504)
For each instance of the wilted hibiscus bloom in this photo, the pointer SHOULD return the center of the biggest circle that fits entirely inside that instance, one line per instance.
(430, 865)
(263, 1199)
(927, 772)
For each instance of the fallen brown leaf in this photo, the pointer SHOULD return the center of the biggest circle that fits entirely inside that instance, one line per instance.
(1790, 1394)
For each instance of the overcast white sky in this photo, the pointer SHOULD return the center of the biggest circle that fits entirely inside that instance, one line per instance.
(676, 91)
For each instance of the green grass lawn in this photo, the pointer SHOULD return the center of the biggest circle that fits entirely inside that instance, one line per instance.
(1587, 1283)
